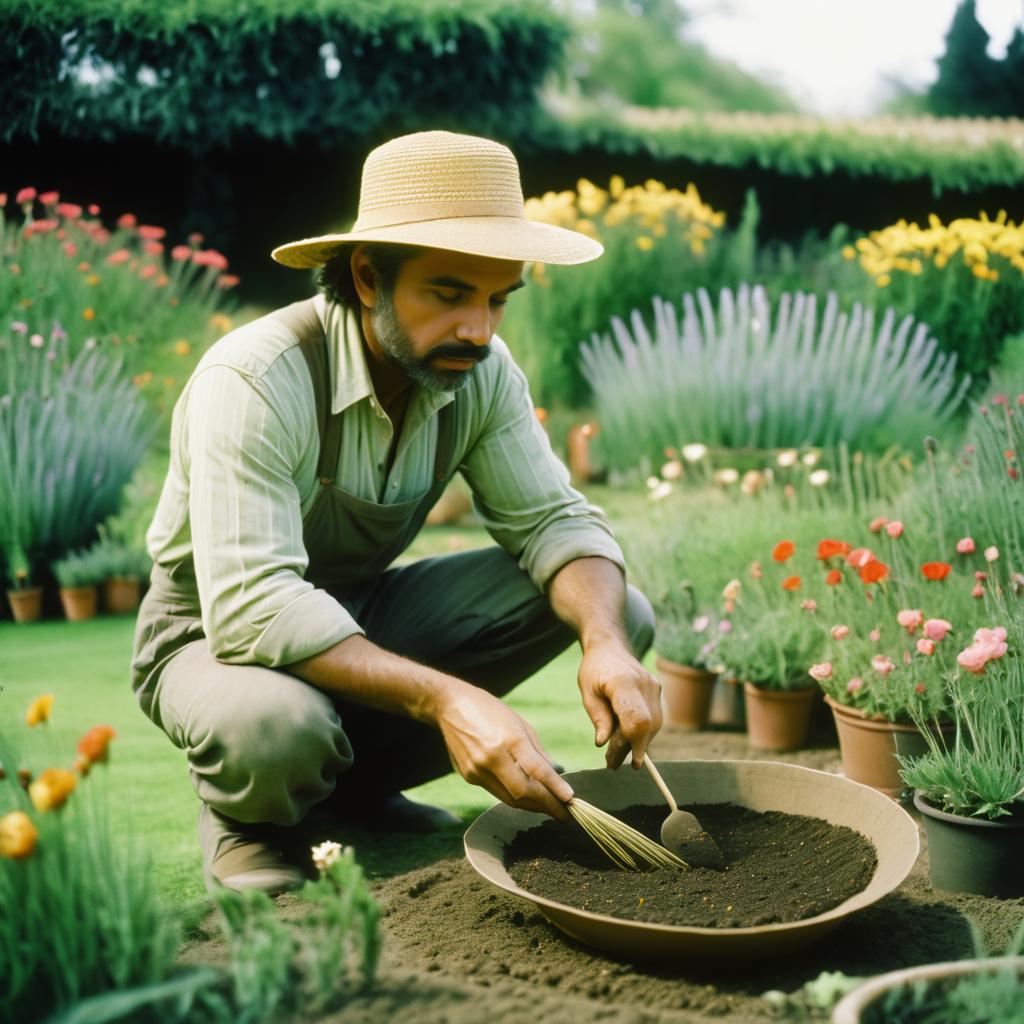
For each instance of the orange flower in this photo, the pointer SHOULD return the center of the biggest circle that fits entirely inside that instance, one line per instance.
(830, 548)
(935, 570)
(39, 710)
(52, 789)
(791, 583)
(874, 571)
(89, 313)
(834, 577)
(92, 747)
(18, 836)
(783, 550)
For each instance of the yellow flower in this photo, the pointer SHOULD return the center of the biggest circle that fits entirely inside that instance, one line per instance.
(616, 185)
(52, 789)
(221, 322)
(89, 313)
(644, 243)
(882, 280)
(92, 280)
(39, 710)
(849, 253)
(182, 347)
(18, 836)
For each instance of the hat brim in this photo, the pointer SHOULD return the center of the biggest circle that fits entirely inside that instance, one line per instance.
(501, 238)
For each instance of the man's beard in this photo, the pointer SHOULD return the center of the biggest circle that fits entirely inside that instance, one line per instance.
(398, 349)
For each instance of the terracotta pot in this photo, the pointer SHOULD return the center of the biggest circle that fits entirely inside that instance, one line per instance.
(79, 603)
(578, 448)
(972, 854)
(121, 595)
(26, 604)
(851, 1009)
(728, 705)
(869, 745)
(686, 693)
(778, 719)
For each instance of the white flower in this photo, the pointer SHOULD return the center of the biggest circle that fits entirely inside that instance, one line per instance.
(701, 623)
(726, 477)
(662, 490)
(787, 458)
(818, 478)
(753, 480)
(991, 554)
(694, 452)
(652, 482)
(325, 855)
(672, 470)
(811, 458)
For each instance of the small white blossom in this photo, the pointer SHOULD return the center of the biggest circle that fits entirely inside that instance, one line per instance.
(694, 452)
(818, 478)
(325, 855)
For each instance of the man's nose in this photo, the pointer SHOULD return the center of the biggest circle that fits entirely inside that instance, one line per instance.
(475, 326)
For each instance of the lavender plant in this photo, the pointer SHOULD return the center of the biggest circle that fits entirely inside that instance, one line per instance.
(748, 375)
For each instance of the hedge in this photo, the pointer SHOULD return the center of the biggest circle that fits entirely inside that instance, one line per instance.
(964, 154)
(209, 73)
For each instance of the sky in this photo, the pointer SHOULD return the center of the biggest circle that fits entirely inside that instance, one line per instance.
(833, 56)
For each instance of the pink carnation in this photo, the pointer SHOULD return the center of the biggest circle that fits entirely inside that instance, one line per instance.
(990, 636)
(840, 632)
(181, 252)
(875, 635)
(910, 619)
(810, 605)
(894, 528)
(822, 671)
(936, 629)
(926, 646)
(882, 664)
(965, 546)
(978, 591)
(854, 684)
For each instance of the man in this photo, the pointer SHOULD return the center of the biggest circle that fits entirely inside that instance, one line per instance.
(275, 646)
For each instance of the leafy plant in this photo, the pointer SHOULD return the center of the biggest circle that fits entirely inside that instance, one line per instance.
(751, 377)
(964, 279)
(72, 431)
(80, 569)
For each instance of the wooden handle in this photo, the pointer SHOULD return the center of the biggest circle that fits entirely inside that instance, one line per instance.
(660, 782)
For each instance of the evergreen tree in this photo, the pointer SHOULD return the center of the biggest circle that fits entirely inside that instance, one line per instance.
(969, 82)
(1012, 84)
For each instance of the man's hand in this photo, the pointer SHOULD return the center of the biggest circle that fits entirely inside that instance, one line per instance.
(493, 747)
(623, 700)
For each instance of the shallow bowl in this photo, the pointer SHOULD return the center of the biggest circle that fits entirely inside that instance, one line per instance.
(758, 785)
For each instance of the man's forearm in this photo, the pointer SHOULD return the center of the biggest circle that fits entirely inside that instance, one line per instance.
(589, 594)
(364, 673)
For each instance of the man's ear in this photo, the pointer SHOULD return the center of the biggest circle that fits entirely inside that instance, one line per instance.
(364, 277)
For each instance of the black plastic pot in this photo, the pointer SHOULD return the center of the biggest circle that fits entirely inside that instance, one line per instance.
(972, 854)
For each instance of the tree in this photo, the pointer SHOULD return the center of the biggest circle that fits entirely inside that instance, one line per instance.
(970, 82)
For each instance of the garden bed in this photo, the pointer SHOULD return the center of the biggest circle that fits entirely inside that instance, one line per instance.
(457, 950)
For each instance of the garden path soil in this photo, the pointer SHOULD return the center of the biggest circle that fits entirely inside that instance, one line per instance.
(459, 951)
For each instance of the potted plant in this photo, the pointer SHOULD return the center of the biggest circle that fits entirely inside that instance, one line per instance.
(124, 570)
(77, 576)
(26, 600)
(964, 991)
(969, 787)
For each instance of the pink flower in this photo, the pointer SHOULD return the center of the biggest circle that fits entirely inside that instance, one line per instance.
(701, 623)
(69, 210)
(227, 281)
(119, 256)
(181, 252)
(210, 258)
(840, 632)
(94, 210)
(973, 659)
(49, 198)
(965, 546)
(877, 524)
(979, 575)
(151, 233)
(926, 646)
(822, 671)
(978, 591)
(126, 220)
(894, 528)
(153, 248)
(919, 689)
(854, 684)
(990, 636)
(195, 238)
(70, 249)
(810, 605)
(882, 664)
(991, 553)
(725, 626)
(910, 619)
(875, 635)
(936, 629)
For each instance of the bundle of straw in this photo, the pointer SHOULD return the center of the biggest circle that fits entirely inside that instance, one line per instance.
(628, 848)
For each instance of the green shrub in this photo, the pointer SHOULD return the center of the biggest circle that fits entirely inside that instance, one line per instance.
(750, 376)
(206, 75)
(72, 431)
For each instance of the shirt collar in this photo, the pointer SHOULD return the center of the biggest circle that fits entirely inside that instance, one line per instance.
(350, 376)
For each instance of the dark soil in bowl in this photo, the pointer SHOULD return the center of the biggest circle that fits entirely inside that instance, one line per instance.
(778, 868)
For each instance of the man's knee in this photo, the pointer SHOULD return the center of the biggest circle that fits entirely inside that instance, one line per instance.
(639, 620)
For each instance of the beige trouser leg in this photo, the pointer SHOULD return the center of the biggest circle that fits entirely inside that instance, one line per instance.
(262, 746)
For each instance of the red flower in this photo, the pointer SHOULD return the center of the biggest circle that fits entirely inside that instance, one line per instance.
(92, 747)
(935, 570)
(26, 195)
(49, 198)
(874, 571)
(783, 550)
(834, 577)
(859, 557)
(151, 233)
(791, 583)
(126, 220)
(830, 548)
(919, 688)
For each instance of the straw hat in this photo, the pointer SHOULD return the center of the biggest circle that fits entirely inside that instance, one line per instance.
(445, 191)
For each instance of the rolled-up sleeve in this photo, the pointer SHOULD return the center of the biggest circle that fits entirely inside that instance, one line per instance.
(246, 523)
(521, 488)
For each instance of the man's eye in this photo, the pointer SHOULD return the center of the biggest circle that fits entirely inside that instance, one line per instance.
(499, 302)
(448, 296)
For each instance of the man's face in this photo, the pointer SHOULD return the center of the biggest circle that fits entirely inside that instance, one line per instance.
(438, 322)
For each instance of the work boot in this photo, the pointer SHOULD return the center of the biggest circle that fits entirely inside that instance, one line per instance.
(393, 812)
(241, 856)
